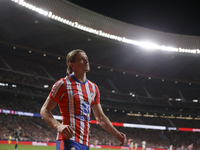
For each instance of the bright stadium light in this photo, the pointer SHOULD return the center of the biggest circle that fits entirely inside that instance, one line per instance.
(3, 84)
(16, 1)
(46, 86)
(13, 85)
(195, 100)
(172, 128)
(144, 126)
(148, 45)
(143, 44)
(178, 99)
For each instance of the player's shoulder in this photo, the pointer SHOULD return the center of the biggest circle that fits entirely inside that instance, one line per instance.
(92, 83)
(60, 80)
(59, 83)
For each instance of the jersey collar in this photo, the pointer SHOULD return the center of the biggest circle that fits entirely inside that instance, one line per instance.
(74, 78)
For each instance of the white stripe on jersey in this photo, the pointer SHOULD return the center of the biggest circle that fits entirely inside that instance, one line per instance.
(62, 96)
(71, 104)
(90, 101)
(88, 93)
(88, 135)
(94, 89)
(81, 100)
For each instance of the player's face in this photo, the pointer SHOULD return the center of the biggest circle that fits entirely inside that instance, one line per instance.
(81, 64)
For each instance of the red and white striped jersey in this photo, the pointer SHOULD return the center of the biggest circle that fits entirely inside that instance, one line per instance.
(75, 99)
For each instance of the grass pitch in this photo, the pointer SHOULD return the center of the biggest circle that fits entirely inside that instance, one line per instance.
(26, 147)
(30, 147)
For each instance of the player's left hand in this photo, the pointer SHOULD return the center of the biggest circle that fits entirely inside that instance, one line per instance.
(121, 137)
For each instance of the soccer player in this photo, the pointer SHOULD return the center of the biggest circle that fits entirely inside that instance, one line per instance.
(9, 139)
(129, 142)
(143, 145)
(135, 146)
(182, 147)
(170, 147)
(190, 147)
(76, 95)
(131, 145)
(17, 134)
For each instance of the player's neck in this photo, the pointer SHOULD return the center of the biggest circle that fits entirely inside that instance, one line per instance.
(79, 76)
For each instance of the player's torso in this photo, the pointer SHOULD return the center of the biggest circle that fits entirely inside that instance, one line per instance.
(75, 107)
(77, 100)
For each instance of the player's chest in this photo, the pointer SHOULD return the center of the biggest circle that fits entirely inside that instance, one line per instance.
(80, 92)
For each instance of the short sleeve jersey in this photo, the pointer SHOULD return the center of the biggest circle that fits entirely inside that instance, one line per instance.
(75, 100)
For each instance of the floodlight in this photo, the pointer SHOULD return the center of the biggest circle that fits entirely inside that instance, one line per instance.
(195, 100)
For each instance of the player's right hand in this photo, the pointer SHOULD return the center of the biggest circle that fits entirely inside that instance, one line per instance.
(65, 130)
(121, 137)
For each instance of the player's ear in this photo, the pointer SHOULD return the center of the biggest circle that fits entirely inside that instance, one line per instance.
(71, 65)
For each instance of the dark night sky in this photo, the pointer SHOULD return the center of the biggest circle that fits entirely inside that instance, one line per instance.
(174, 16)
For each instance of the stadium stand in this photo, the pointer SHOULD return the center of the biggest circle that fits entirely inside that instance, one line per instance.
(22, 89)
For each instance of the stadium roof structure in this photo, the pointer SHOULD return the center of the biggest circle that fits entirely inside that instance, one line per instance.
(43, 31)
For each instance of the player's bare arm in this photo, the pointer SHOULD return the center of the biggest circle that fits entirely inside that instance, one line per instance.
(105, 123)
(45, 112)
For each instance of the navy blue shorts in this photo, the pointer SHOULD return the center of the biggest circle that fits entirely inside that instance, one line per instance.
(70, 145)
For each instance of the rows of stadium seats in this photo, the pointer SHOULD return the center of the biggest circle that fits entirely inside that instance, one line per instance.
(148, 106)
(37, 70)
(33, 129)
(31, 71)
(25, 103)
(37, 129)
(16, 102)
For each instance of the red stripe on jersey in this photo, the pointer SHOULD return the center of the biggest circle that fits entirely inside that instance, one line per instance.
(97, 96)
(77, 108)
(64, 105)
(62, 144)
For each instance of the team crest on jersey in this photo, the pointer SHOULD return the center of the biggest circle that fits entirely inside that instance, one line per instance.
(91, 93)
